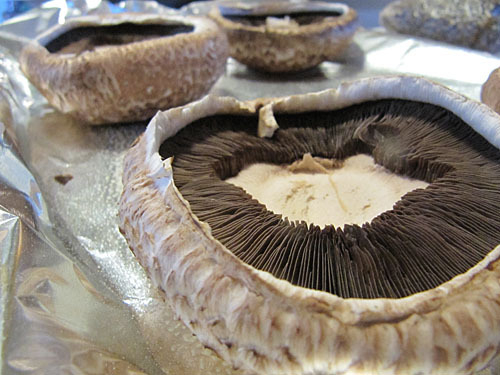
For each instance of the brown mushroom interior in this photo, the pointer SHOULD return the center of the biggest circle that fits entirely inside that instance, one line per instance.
(430, 235)
(301, 18)
(87, 38)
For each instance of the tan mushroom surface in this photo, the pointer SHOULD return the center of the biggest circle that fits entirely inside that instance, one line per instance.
(490, 90)
(324, 191)
(125, 67)
(284, 37)
(415, 290)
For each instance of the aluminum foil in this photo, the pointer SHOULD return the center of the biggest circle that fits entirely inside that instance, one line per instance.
(73, 299)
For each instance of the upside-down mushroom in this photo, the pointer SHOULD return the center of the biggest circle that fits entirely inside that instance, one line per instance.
(284, 37)
(415, 290)
(125, 67)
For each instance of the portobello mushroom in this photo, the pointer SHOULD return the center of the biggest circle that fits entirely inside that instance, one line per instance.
(416, 290)
(125, 67)
(284, 37)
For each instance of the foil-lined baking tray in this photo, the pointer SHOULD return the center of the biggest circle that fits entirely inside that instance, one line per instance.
(73, 299)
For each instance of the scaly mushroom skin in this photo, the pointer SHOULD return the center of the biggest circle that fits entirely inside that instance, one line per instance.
(128, 82)
(266, 325)
(281, 48)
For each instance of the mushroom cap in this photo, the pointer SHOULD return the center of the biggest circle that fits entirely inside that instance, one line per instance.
(279, 47)
(490, 91)
(132, 81)
(267, 325)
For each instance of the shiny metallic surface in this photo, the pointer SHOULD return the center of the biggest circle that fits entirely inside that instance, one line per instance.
(73, 299)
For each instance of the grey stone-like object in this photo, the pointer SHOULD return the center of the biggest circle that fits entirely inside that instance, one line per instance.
(469, 23)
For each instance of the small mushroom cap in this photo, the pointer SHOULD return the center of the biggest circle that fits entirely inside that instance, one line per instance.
(282, 45)
(490, 91)
(129, 82)
(267, 325)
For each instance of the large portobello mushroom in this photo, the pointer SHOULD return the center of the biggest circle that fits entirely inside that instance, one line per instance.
(414, 291)
(125, 67)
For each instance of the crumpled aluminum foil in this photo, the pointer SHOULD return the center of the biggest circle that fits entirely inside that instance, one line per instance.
(73, 299)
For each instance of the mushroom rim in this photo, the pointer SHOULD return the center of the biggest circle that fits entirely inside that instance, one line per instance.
(480, 117)
(343, 24)
(115, 19)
